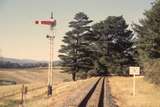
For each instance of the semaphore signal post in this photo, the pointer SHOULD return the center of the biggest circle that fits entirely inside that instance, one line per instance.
(51, 23)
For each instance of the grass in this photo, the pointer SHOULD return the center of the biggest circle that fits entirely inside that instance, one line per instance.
(32, 78)
(10, 103)
(38, 98)
(147, 94)
(28, 76)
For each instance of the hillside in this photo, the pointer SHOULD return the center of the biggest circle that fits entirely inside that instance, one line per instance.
(19, 61)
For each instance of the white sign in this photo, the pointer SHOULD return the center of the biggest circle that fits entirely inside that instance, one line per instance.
(134, 70)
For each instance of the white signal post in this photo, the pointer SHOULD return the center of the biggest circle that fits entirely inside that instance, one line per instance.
(52, 23)
(50, 63)
(134, 71)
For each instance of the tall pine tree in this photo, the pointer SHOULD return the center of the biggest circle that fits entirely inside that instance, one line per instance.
(74, 56)
(115, 42)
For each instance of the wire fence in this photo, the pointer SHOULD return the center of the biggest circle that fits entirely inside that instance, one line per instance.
(29, 96)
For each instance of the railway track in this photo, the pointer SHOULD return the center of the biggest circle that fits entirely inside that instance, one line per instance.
(69, 97)
(97, 95)
(91, 96)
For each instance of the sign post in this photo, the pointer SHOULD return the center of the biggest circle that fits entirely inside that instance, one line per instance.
(134, 71)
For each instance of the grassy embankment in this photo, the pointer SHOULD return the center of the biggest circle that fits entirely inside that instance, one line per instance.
(147, 94)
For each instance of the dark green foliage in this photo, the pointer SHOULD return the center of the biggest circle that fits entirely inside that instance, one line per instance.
(75, 50)
(105, 47)
(115, 42)
(148, 32)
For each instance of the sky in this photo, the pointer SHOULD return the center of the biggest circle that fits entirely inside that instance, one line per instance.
(21, 38)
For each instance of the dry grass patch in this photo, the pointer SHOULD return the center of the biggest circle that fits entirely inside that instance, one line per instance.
(147, 95)
(27, 76)
(33, 79)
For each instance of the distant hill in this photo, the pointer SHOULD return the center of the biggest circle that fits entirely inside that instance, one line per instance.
(20, 61)
(25, 61)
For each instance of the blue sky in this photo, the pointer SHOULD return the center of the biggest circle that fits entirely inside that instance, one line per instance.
(21, 38)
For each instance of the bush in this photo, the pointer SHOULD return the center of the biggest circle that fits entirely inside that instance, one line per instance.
(66, 80)
(81, 75)
(7, 82)
(92, 73)
(152, 71)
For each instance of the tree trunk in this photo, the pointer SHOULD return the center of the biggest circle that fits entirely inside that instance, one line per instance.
(74, 76)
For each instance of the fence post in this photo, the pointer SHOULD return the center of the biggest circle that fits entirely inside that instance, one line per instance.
(22, 96)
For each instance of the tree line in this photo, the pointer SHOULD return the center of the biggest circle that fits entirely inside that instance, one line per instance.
(102, 48)
(110, 46)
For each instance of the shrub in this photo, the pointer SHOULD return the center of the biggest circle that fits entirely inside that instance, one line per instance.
(81, 75)
(92, 73)
(7, 82)
(152, 71)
